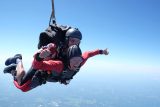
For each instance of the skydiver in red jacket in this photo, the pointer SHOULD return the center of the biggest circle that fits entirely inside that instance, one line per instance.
(53, 69)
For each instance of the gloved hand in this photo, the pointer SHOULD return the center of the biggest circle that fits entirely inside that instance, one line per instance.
(44, 53)
(105, 51)
(49, 50)
(52, 48)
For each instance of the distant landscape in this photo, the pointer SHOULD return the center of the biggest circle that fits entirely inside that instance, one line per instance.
(114, 89)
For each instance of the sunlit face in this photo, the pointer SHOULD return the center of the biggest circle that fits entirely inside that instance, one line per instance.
(75, 63)
(73, 41)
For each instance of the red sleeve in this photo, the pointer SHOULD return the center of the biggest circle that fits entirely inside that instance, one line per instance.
(89, 54)
(49, 65)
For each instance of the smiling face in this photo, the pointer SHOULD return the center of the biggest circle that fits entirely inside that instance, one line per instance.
(73, 41)
(75, 63)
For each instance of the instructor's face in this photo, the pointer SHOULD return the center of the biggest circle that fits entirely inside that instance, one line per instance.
(73, 41)
(75, 63)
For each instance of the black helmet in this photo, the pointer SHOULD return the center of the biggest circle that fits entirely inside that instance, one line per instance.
(74, 51)
(74, 33)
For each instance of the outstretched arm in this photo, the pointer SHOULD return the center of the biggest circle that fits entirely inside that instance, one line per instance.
(89, 54)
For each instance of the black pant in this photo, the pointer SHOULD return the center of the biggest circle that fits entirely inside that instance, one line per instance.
(28, 76)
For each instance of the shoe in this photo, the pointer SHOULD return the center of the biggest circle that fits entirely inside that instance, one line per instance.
(12, 60)
(10, 68)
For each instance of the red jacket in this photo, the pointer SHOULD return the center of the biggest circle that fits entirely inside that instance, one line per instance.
(52, 65)
(56, 65)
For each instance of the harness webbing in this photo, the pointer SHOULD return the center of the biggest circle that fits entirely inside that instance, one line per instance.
(52, 17)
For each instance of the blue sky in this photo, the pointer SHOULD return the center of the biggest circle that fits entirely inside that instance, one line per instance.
(129, 28)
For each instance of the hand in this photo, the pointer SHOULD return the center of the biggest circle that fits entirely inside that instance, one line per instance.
(65, 82)
(106, 52)
(44, 53)
(52, 48)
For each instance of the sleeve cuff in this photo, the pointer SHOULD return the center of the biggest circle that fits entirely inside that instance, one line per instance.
(100, 51)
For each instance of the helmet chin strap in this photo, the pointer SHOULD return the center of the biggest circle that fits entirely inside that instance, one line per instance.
(69, 66)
